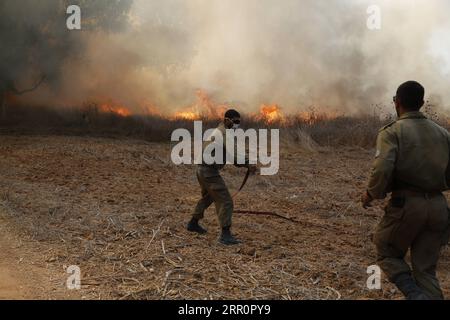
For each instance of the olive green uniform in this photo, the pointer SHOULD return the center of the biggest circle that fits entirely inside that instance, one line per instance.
(412, 162)
(214, 189)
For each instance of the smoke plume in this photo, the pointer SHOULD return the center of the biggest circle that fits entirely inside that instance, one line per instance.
(297, 54)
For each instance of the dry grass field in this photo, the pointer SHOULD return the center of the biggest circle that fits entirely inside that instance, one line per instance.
(117, 208)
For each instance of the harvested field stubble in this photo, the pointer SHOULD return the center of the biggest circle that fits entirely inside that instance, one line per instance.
(118, 207)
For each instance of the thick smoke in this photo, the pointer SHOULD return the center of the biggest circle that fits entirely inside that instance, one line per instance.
(36, 45)
(298, 54)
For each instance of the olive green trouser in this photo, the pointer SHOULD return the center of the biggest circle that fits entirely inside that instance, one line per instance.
(213, 189)
(418, 223)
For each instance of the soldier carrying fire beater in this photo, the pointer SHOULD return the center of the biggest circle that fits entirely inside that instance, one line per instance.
(213, 187)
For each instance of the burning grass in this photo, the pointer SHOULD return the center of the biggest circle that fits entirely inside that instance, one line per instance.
(305, 129)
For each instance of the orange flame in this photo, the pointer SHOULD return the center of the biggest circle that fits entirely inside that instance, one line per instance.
(186, 115)
(118, 110)
(271, 113)
(203, 107)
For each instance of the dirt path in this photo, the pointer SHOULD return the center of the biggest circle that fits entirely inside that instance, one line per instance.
(22, 275)
(11, 286)
(14, 282)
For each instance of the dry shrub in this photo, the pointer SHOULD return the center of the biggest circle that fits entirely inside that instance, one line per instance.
(307, 131)
(297, 137)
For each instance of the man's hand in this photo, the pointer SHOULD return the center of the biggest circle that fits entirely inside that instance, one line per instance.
(366, 200)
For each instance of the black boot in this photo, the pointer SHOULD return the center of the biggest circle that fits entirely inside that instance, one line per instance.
(406, 284)
(227, 238)
(193, 226)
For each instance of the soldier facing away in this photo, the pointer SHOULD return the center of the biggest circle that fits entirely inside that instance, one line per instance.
(214, 189)
(411, 162)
